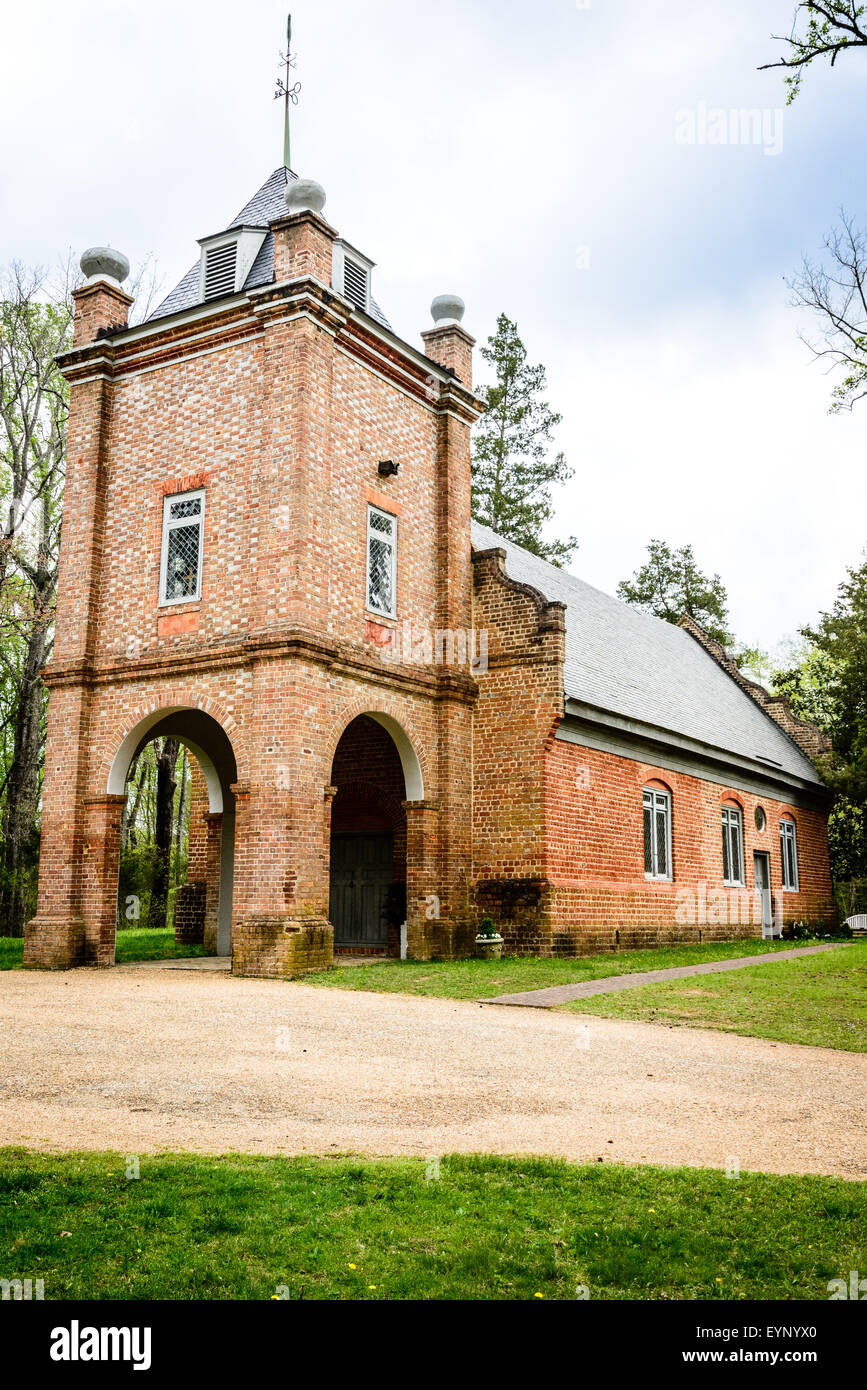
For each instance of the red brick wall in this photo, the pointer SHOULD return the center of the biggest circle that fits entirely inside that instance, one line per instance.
(595, 859)
(281, 409)
(197, 864)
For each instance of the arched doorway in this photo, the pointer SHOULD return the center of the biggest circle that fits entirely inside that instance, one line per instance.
(207, 894)
(374, 771)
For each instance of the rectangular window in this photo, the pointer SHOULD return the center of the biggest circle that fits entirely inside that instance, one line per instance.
(381, 562)
(789, 852)
(733, 848)
(183, 530)
(657, 834)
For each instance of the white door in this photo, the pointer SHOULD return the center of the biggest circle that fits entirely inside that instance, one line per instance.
(762, 870)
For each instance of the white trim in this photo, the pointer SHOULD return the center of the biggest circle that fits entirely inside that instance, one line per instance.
(123, 757)
(178, 523)
(391, 541)
(412, 774)
(658, 795)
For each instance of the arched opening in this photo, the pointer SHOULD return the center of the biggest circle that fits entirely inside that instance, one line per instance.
(374, 771)
(176, 864)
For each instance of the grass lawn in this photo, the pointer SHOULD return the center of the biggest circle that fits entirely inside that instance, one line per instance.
(819, 1000)
(477, 979)
(238, 1227)
(139, 943)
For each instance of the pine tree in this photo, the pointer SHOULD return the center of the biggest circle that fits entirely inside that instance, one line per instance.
(513, 469)
(670, 584)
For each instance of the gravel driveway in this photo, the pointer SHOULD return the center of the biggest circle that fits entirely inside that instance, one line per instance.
(147, 1059)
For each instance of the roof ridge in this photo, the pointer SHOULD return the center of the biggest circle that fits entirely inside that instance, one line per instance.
(807, 737)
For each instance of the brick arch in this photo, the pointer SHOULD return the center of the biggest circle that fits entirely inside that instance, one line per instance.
(730, 799)
(417, 778)
(390, 804)
(657, 784)
(145, 715)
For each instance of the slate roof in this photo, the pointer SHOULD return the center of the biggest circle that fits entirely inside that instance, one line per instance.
(265, 205)
(637, 666)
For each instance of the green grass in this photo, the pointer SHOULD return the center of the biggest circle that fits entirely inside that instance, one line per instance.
(818, 1000)
(238, 1227)
(139, 943)
(477, 979)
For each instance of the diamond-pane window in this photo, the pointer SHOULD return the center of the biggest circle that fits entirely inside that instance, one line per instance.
(381, 562)
(181, 569)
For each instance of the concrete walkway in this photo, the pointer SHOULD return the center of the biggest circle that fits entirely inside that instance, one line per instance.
(610, 984)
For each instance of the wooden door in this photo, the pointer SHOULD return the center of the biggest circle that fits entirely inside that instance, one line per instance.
(362, 868)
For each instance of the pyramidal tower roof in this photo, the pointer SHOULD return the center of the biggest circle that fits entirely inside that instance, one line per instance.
(266, 205)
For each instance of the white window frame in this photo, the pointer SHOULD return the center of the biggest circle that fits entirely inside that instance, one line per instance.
(656, 800)
(789, 834)
(381, 536)
(173, 525)
(733, 821)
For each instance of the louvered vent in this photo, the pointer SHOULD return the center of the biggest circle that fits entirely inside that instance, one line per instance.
(220, 264)
(355, 283)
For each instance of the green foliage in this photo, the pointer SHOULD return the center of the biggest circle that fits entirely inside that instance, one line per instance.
(821, 29)
(670, 585)
(840, 643)
(513, 470)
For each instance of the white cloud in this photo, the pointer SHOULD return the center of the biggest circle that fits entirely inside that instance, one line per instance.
(473, 147)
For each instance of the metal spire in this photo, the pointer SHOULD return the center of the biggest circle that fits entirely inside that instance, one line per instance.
(286, 92)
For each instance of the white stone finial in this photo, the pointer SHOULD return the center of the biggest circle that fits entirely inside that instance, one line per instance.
(447, 309)
(104, 263)
(304, 195)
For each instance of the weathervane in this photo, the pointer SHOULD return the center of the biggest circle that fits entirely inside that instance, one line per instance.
(285, 91)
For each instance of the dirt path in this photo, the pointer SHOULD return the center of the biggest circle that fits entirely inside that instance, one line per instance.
(147, 1059)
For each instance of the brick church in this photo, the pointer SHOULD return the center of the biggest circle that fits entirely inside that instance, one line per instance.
(401, 723)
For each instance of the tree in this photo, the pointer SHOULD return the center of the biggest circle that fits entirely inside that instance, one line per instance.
(35, 324)
(513, 470)
(827, 684)
(840, 640)
(670, 585)
(837, 294)
(820, 29)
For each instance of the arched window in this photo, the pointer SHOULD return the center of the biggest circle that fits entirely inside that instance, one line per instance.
(789, 854)
(733, 845)
(657, 833)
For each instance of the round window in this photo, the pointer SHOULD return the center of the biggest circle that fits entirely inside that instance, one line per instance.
(761, 818)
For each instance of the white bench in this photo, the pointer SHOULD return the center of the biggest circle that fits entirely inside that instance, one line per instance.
(858, 923)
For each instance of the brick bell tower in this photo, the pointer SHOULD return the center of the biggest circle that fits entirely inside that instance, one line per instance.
(267, 489)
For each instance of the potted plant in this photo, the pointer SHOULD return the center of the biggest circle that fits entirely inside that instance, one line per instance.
(489, 943)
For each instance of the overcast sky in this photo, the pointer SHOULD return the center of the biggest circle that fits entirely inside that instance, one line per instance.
(531, 158)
